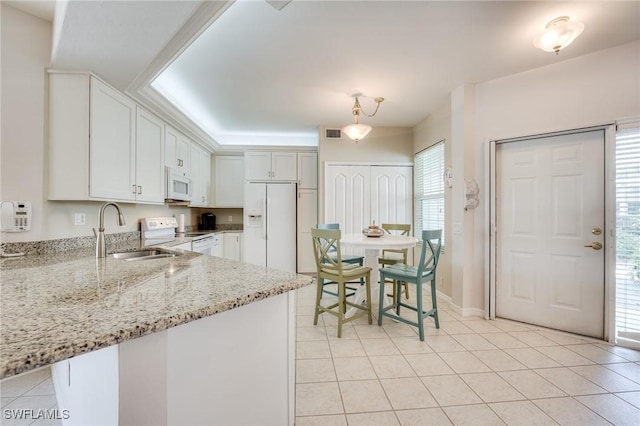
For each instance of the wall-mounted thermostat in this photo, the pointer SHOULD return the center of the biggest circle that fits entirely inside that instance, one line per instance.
(16, 216)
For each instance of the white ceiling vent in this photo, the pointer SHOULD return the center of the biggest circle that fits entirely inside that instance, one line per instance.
(332, 133)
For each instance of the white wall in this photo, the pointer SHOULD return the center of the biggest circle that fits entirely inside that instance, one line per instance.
(382, 144)
(588, 90)
(435, 128)
(26, 51)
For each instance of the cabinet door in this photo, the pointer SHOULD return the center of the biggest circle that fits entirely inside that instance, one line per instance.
(229, 181)
(177, 150)
(308, 170)
(200, 175)
(307, 219)
(232, 245)
(149, 158)
(391, 194)
(284, 166)
(257, 165)
(112, 144)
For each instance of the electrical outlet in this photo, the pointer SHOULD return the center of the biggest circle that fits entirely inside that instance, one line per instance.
(441, 283)
(230, 218)
(79, 219)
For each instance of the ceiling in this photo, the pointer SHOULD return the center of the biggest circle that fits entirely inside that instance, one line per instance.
(260, 75)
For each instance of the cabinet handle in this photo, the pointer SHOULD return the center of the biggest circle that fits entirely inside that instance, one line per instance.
(179, 162)
(139, 189)
(203, 199)
(134, 189)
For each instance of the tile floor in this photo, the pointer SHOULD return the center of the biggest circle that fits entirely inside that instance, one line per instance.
(33, 392)
(469, 372)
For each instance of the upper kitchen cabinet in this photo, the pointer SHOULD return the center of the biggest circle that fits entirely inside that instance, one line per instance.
(229, 181)
(270, 166)
(93, 143)
(200, 176)
(177, 152)
(149, 157)
(307, 170)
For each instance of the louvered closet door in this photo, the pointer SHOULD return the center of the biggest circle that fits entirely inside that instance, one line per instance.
(348, 197)
(391, 194)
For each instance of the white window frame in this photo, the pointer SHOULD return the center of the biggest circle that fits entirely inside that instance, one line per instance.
(429, 185)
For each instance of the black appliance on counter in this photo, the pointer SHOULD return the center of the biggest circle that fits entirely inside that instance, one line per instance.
(207, 222)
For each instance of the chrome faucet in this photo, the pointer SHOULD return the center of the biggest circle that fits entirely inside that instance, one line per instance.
(101, 247)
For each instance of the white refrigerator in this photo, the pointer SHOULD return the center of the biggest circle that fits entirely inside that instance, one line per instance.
(270, 225)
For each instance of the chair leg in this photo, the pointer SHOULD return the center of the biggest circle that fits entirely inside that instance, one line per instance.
(318, 298)
(368, 301)
(381, 300)
(406, 291)
(397, 295)
(434, 302)
(341, 306)
(419, 310)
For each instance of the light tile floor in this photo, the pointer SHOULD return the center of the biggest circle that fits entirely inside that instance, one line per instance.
(28, 399)
(469, 372)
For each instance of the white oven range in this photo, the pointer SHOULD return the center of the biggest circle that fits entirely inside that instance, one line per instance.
(161, 230)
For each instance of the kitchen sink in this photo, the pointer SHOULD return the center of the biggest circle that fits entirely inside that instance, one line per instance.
(144, 254)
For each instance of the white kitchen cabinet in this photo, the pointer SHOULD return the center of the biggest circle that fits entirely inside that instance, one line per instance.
(229, 181)
(307, 219)
(200, 176)
(270, 166)
(149, 158)
(93, 152)
(308, 170)
(177, 152)
(233, 245)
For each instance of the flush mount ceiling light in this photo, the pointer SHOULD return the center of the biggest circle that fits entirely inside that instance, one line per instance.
(357, 131)
(559, 34)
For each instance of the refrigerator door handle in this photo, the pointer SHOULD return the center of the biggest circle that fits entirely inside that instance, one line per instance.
(265, 207)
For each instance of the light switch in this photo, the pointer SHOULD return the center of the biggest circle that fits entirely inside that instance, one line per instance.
(457, 228)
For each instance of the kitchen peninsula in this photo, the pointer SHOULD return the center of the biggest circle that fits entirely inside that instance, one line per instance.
(180, 340)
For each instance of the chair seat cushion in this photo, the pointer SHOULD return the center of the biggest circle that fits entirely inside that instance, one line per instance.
(400, 271)
(398, 257)
(348, 271)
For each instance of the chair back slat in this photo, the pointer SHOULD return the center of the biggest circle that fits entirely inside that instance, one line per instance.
(431, 247)
(396, 228)
(326, 249)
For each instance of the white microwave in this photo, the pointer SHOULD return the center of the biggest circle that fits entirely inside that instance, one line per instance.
(179, 186)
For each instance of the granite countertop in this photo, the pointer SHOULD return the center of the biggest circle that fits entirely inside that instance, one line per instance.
(59, 305)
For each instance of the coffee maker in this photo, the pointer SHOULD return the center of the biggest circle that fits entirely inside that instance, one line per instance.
(207, 222)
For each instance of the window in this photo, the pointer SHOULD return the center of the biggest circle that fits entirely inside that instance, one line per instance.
(628, 237)
(429, 189)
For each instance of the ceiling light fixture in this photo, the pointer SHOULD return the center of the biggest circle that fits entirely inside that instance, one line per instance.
(357, 131)
(559, 33)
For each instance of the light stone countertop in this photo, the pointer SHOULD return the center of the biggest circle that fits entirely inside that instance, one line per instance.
(56, 306)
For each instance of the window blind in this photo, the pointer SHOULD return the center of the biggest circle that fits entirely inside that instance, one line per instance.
(429, 189)
(628, 236)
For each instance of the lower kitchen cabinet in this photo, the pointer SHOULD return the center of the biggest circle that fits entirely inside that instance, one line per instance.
(233, 245)
(207, 371)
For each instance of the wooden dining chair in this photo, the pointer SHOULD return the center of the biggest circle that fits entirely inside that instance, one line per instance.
(355, 260)
(329, 264)
(394, 256)
(423, 273)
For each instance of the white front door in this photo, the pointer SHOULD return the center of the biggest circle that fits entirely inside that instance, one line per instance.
(549, 206)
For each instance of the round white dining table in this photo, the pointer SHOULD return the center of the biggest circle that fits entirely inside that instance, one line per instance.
(372, 247)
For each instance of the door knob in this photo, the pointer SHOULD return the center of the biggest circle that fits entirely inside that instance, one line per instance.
(595, 245)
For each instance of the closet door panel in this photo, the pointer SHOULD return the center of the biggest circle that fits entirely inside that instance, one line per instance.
(391, 194)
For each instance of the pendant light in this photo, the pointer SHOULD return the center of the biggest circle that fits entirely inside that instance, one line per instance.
(357, 131)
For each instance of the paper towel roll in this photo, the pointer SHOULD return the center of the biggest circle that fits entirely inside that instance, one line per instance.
(181, 222)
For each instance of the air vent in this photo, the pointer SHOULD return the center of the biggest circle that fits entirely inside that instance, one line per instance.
(332, 134)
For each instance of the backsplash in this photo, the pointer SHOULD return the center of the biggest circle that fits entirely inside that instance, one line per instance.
(65, 244)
